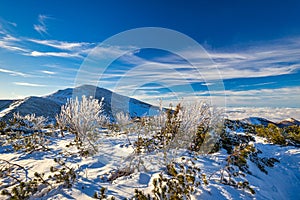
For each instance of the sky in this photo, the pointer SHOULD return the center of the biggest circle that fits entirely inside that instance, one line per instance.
(251, 47)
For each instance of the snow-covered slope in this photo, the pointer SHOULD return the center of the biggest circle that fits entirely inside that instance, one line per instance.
(281, 182)
(9, 107)
(288, 122)
(4, 104)
(265, 122)
(257, 121)
(50, 105)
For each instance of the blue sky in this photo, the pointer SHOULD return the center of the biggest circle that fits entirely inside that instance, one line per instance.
(254, 44)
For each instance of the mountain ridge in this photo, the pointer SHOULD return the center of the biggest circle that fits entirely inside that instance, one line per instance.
(50, 105)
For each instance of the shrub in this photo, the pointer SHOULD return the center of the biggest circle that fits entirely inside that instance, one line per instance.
(62, 174)
(2, 127)
(272, 133)
(173, 131)
(124, 124)
(232, 174)
(83, 118)
(292, 133)
(28, 122)
(181, 181)
(25, 133)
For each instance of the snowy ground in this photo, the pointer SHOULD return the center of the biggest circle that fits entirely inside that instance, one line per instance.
(282, 181)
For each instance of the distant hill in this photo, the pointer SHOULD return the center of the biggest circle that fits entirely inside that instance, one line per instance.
(288, 122)
(50, 105)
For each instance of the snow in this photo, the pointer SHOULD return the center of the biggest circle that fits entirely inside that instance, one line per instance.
(11, 107)
(282, 181)
(115, 153)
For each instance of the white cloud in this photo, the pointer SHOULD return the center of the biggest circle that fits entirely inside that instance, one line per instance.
(62, 45)
(54, 54)
(13, 73)
(13, 24)
(5, 26)
(271, 113)
(41, 27)
(48, 72)
(277, 58)
(105, 52)
(283, 97)
(261, 63)
(8, 37)
(29, 84)
(10, 43)
(11, 47)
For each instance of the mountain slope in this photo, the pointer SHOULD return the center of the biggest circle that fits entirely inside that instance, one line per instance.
(50, 105)
(288, 122)
(4, 104)
(257, 121)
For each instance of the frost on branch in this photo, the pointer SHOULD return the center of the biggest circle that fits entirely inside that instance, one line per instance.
(25, 133)
(29, 122)
(84, 118)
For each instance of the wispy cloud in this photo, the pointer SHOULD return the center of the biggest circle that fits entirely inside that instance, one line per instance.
(265, 60)
(13, 24)
(48, 72)
(6, 26)
(41, 27)
(271, 59)
(283, 97)
(29, 84)
(11, 47)
(13, 73)
(280, 97)
(62, 45)
(53, 54)
(11, 43)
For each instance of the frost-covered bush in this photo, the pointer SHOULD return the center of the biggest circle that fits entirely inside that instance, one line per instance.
(170, 134)
(84, 118)
(174, 131)
(124, 124)
(28, 122)
(25, 133)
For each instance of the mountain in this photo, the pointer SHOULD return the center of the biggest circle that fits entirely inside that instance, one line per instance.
(257, 121)
(265, 122)
(288, 122)
(248, 124)
(5, 104)
(50, 105)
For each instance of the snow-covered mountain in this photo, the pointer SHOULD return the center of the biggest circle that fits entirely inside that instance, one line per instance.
(50, 105)
(265, 122)
(257, 121)
(288, 122)
(5, 103)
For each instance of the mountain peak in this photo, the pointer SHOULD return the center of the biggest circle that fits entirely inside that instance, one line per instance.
(50, 105)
